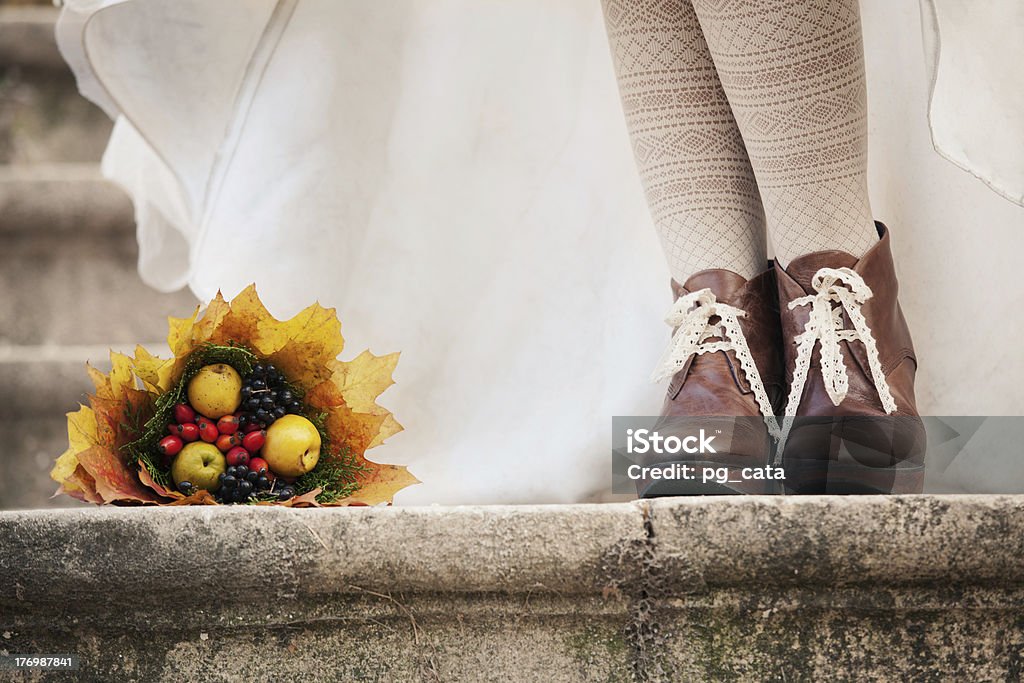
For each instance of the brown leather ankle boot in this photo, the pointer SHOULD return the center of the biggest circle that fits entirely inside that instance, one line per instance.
(727, 379)
(851, 422)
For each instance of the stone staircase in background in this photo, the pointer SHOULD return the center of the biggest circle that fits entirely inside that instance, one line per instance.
(69, 289)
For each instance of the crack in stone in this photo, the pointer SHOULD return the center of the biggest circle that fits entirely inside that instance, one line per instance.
(637, 575)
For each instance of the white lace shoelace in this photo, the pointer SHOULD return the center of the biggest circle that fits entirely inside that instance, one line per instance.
(837, 290)
(691, 317)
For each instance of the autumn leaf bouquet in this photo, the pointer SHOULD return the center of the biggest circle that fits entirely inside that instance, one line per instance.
(249, 409)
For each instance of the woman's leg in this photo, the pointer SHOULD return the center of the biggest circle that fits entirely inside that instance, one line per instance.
(793, 71)
(694, 168)
(723, 358)
(794, 74)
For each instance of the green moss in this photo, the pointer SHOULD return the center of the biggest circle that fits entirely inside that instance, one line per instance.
(594, 647)
(336, 474)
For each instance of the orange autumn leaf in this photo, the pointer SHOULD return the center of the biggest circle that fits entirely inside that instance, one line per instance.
(382, 484)
(92, 468)
(305, 348)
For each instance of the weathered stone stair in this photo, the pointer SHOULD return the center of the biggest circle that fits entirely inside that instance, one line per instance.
(918, 588)
(68, 283)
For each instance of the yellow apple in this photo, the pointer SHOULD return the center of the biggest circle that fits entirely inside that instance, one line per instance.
(200, 463)
(292, 447)
(215, 391)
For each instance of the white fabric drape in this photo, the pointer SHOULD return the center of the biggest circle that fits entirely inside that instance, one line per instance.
(974, 52)
(455, 177)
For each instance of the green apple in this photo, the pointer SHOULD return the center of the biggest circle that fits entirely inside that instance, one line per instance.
(200, 463)
(292, 447)
(215, 391)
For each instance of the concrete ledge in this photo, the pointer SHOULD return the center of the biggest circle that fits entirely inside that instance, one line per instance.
(543, 549)
(842, 540)
(922, 587)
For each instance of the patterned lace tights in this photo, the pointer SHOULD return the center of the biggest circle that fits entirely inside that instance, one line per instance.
(746, 114)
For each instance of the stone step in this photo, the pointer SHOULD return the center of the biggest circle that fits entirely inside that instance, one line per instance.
(46, 120)
(42, 116)
(31, 444)
(68, 253)
(27, 38)
(717, 588)
(63, 200)
(43, 381)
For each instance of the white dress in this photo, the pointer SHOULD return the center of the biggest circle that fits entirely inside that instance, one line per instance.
(455, 177)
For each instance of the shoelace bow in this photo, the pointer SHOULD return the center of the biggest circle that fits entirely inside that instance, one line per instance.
(837, 290)
(691, 317)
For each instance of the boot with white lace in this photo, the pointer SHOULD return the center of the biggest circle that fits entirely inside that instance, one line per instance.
(727, 380)
(851, 423)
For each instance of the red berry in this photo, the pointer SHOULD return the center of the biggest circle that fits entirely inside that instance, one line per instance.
(189, 432)
(252, 427)
(170, 445)
(227, 424)
(225, 442)
(259, 465)
(174, 429)
(253, 441)
(207, 430)
(237, 456)
(183, 413)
